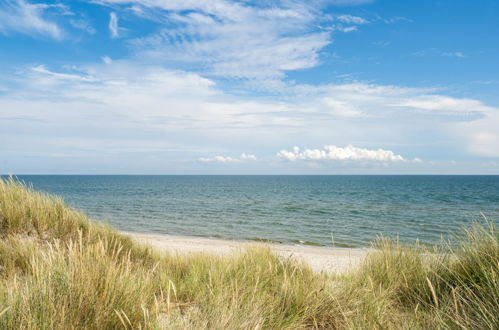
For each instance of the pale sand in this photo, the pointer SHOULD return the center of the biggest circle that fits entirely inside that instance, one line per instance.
(320, 259)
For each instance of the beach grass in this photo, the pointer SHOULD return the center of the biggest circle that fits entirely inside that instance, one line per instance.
(59, 270)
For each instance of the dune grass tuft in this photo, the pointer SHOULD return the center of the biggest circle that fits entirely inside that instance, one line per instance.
(59, 270)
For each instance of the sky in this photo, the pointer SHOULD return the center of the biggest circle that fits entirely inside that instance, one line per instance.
(249, 87)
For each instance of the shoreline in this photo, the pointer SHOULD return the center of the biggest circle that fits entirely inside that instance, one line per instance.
(320, 259)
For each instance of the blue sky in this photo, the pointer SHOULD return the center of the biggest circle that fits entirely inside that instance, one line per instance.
(249, 87)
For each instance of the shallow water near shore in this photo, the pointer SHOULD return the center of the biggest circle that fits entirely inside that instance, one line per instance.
(343, 211)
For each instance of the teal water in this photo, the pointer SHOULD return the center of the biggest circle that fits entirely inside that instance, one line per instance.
(352, 210)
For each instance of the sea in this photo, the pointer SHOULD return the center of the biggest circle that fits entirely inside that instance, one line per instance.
(341, 211)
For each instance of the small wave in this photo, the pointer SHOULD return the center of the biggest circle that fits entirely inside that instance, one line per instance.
(302, 242)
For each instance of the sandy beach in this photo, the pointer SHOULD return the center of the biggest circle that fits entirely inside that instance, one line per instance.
(320, 259)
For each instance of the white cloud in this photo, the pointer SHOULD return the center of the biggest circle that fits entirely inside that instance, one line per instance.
(219, 159)
(83, 24)
(113, 82)
(395, 19)
(444, 103)
(454, 54)
(352, 21)
(107, 59)
(42, 69)
(185, 112)
(346, 29)
(342, 108)
(232, 39)
(113, 25)
(435, 51)
(226, 159)
(248, 156)
(334, 153)
(23, 17)
(479, 137)
(349, 19)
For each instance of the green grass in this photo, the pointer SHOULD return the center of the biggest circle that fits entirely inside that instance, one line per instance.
(59, 270)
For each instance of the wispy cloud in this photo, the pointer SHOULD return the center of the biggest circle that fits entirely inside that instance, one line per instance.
(381, 43)
(395, 19)
(350, 19)
(42, 69)
(106, 59)
(437, 52)
(83, 24)
(346, 29)
(453, 54)
(348, 23)
(445, 104)
(113, 25)
(23, 17)
(232, 39)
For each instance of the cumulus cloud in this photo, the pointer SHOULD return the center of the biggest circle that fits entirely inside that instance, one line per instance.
(226, 159)
(334, 153)
(113, 25)
(23, 17)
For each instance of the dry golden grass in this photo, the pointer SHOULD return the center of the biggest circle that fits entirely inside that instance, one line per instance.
(58, 270)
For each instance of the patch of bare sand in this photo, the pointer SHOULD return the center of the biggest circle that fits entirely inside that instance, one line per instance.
(320, 259)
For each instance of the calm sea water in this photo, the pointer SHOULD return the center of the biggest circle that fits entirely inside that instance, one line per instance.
(349, 210)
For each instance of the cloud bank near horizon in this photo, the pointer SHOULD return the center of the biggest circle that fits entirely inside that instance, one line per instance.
(175, 110)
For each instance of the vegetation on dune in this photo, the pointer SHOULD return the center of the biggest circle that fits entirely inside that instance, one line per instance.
(58, 270)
